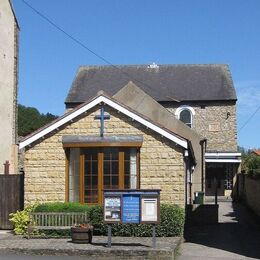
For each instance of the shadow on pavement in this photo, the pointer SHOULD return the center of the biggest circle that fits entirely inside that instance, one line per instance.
(121, 244)
(238, 232)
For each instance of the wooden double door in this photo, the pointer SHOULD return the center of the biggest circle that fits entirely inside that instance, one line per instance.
(107, 168)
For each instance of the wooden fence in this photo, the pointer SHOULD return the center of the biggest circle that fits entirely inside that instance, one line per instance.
(11, 197)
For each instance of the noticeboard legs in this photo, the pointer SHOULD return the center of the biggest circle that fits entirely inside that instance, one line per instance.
(154, 237)
(109, 236)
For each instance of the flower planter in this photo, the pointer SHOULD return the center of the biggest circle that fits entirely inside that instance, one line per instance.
(82, 234)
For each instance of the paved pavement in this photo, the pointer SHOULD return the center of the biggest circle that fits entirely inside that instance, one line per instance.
(40, 257)
(237, 236)
(122, 247)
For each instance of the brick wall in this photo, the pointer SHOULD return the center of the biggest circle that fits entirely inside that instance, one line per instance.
(213, 122)
(161, 161)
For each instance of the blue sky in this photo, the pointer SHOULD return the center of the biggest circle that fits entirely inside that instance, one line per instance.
(140, 32)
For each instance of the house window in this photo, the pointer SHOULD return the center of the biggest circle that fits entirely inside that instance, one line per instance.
(185, 117)
(91, 170)
(185, 114)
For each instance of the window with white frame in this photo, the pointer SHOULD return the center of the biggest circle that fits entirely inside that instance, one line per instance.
(185, 114)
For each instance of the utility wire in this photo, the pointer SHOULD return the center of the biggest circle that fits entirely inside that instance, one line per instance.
(101, 57)
(247, 121)
(84, 46)
(67, 34)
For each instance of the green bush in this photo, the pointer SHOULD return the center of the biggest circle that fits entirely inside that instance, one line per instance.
(172, 220)
(20, 219)
(172, 224)
(62, 207)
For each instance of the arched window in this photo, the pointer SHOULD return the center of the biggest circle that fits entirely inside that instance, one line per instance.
(185, 114)
(186, 117)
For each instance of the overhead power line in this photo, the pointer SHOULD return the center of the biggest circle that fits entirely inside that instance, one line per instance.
(84, 46)
(67, 34)
(247, 121)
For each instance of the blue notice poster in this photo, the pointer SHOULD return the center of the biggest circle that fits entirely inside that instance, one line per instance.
(131, 208)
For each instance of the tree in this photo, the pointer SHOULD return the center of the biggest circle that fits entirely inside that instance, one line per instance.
(30, 119)
(252, 165)
(250, 162)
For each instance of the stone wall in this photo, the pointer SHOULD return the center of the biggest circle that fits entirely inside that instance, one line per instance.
(8, 86)
(161, 161)
(216, 121)
(248, 190)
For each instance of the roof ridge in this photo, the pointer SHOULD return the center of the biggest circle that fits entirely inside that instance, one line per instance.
(81, 67)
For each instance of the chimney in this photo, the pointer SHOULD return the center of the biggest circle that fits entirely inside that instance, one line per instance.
(6, 167)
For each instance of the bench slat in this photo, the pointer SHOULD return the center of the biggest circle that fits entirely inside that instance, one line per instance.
(52, 227)
(56, 220)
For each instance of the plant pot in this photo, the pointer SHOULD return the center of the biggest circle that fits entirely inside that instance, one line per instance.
(82, 235)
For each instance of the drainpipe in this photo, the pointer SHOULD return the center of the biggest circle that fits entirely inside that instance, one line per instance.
(203, 144)
(187, 172)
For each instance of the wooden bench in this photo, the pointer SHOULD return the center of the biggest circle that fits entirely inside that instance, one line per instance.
(55, 220)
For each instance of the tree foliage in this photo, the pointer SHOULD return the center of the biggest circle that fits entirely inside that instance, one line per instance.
(252, 165)
(30, 119)
(250, 162)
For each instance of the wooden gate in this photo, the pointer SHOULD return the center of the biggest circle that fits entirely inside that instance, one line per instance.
(11, 197)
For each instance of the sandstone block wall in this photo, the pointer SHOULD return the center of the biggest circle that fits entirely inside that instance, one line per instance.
(215, 121)
(161, 161)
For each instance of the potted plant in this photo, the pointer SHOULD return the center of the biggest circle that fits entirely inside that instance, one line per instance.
(82, 233)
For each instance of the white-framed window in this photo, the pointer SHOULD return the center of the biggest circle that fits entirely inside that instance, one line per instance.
(185, 114)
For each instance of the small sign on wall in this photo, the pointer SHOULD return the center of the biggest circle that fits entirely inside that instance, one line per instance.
(214, 127)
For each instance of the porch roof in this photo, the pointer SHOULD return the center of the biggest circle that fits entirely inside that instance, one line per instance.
(223, 157)
(85, 141)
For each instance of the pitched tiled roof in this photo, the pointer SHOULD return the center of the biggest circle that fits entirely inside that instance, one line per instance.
(98, 99)
(163, 83)
(256, 152)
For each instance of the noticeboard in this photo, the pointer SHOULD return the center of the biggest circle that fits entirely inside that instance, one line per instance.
(132, 206)
(112, 209)
(131, 209)
(149, 209)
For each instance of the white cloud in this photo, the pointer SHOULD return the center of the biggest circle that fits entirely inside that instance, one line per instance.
(248, 94)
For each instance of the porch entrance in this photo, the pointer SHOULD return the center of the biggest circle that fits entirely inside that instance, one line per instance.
(99, 169)
(220, 176)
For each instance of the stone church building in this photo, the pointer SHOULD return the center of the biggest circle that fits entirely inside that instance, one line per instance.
(168, 127)
(9, 30)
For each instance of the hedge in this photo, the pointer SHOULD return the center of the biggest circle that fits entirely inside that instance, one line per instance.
(172, 220)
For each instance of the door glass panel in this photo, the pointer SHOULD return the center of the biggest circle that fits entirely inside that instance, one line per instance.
(111, 168)
(91, 176)
(115, 182)
(130, 174)
(74, 173)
